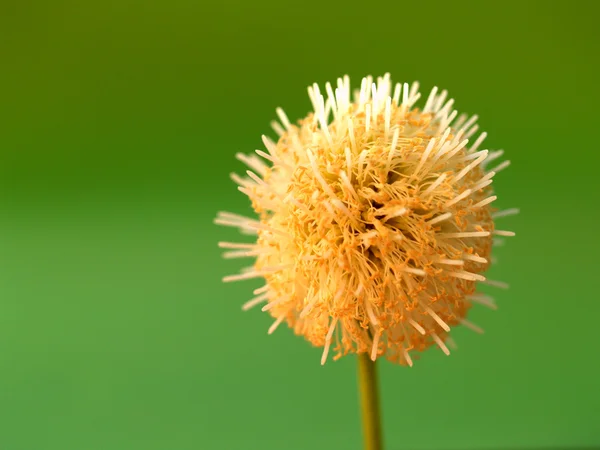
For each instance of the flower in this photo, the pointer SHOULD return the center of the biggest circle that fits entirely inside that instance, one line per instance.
(375, 220)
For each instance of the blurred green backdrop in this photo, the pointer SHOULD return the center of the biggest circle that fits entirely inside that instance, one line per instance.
(119, 124)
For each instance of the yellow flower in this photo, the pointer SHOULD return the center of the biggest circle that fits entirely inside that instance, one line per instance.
(375, 220)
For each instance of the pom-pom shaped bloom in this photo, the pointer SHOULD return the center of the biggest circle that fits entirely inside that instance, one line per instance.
(375, 220)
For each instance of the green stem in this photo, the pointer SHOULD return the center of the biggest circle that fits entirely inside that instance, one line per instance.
(369, 402)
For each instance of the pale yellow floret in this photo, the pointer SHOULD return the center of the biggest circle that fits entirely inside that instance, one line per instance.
(375, 220)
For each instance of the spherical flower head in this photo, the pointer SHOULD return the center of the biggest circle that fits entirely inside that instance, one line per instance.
(375, 220)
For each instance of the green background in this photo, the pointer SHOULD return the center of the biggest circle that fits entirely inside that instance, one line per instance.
(119, 122)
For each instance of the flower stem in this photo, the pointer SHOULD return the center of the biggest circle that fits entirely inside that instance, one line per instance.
(369, 402)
